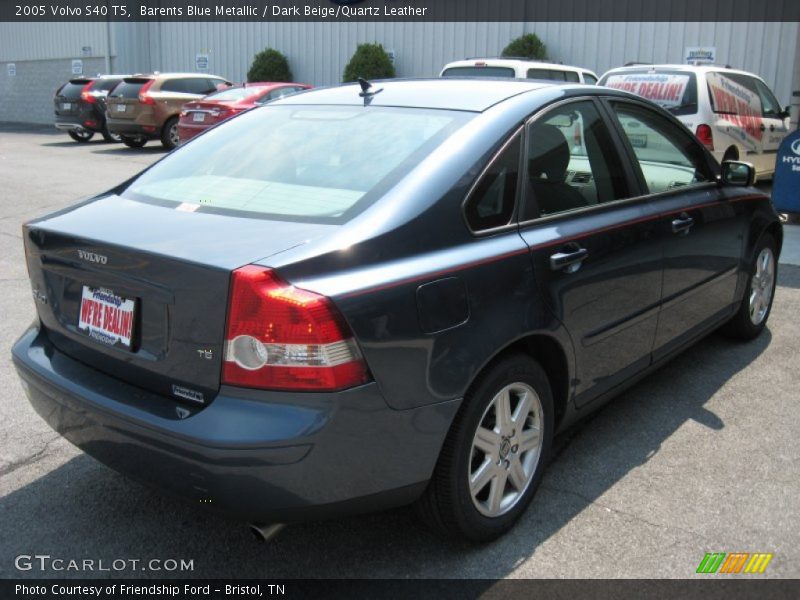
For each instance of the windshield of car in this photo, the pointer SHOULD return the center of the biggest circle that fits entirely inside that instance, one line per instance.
(674, 90)
(236, 93)
(308, 163)
(477, 71)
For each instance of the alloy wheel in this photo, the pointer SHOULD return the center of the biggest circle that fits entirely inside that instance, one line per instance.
(761, 286)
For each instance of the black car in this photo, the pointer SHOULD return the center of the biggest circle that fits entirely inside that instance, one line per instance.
(361, 297)
(80, 107)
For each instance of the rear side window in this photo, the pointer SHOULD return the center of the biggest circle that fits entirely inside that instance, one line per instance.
(72, 89)
(589, 79)
(478, 72)
(491, 203)
(174, 85)
(129, 88)
(674, 90)
(321, 164)
(668, 154)
(547, 75)
(737, 94)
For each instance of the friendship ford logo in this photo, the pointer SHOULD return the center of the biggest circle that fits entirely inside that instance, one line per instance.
(795, 147)
(92, 257)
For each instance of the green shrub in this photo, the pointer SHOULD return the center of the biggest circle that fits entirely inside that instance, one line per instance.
(527, 46)
(370, 61)
(269, 65)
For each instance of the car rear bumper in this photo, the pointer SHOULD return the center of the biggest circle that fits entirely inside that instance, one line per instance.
(257, 456)
(132, 129)
(187, 131)
(77, 123)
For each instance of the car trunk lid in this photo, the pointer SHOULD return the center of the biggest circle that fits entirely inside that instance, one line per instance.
(123, 101)
(156, 276)
(68, 97)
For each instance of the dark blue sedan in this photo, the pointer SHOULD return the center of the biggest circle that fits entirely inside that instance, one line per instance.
(367, 296)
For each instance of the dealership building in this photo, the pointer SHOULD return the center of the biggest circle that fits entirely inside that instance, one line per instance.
(36, 58)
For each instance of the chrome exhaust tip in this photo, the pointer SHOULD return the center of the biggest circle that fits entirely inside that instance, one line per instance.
(264, 533)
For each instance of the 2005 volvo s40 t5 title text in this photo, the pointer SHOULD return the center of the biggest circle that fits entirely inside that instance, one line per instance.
(352, 299)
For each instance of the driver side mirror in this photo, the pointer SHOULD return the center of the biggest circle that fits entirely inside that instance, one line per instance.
(740, 174)
(786, 112)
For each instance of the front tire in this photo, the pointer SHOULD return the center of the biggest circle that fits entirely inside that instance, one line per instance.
(495, 453)
(81, 136)
(169, 134)
(751, 318)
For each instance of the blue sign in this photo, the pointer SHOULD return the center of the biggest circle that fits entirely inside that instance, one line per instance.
(786, 183)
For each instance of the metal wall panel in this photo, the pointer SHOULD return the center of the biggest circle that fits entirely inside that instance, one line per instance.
(318, 52)
(41, 41)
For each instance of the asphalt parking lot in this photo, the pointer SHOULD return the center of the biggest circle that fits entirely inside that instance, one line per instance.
(700, 457)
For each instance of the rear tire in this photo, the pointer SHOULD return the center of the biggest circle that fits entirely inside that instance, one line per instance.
(491, 464)
(137, 142)
(751, 318)
(108, 136)
(81, 136)
(169, 134)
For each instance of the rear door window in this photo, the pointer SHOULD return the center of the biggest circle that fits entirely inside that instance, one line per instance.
(770, 107)
(547, 74)
(589, 79)
(174, 85)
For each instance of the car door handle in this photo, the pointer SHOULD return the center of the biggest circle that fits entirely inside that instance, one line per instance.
(569, 261)
(682, 224)
(763, 127)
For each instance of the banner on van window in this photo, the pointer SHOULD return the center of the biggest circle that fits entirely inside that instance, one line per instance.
(738, 106)
(662, 88)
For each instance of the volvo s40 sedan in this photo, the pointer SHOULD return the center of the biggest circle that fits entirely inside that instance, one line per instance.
(352, 299)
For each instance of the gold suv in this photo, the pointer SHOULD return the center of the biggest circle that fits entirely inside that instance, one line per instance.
(146, 107)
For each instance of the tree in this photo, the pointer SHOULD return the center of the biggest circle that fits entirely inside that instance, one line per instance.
(527, 46)
(370, 61)
(269, 65)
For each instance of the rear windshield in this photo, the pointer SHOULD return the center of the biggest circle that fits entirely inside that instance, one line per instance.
(302, 163)
(478, 72)
(674, 90)
(105, 85)
(73, 88)
(236, 93)
(129, 88)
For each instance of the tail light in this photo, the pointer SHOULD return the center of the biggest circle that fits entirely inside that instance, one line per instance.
(86, 95)
(281, 337)
(705, 136)
(144, 97)
(224, 113)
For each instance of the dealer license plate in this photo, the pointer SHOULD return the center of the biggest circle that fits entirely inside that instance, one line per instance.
(120, 108)
(199, 117)
(106, 317)
(66, 106)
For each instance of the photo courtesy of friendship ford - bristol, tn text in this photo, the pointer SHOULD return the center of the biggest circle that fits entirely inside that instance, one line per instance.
(423, 290)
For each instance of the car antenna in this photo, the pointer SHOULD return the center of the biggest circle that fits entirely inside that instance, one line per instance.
(367, 90)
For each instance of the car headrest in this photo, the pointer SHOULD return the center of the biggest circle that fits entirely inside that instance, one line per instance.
(549, 153)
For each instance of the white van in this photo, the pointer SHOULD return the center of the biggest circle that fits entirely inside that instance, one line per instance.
(519, 68)
(734, 113)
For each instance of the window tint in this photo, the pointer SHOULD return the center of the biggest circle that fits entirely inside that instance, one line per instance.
(589, 79)
(668, 155)
(491, 203)
(478, 72)
(571, 162)
(129, 88)
(72, 90)
(547, 74)
(173, 85)
(769, 104)
(199, 86)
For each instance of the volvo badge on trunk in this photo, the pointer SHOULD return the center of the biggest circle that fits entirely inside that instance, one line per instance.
(92, 257)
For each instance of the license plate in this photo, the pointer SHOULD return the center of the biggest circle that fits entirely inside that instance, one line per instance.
(638, 140)
(120, 108)
(106, 317)
(199, 117)
(66, 106)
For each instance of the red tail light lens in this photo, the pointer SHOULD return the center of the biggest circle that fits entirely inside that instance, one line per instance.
(144, 97)
(705, 136)
(86, 96)
(280, 337)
